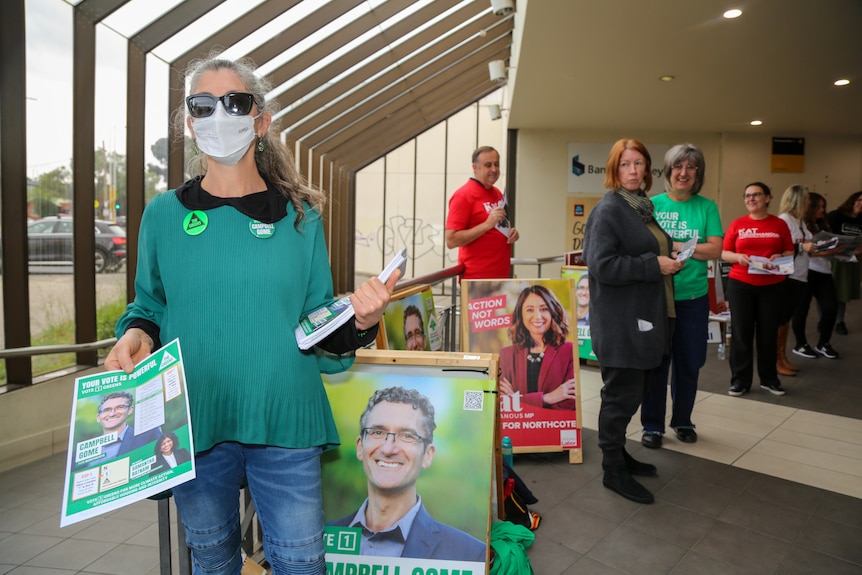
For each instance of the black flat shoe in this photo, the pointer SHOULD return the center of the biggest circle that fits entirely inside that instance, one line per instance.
(686, 435)
(619, 480)
(636, 467)
(651, 440)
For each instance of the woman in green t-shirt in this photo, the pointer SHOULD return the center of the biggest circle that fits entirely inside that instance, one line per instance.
(683, 214)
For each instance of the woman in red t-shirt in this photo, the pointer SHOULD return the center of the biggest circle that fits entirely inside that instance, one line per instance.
(755, 299)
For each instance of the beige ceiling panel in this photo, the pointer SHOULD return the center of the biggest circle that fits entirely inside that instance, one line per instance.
(98, 10)
(413, 56)
(356, 155)
(392, 99)
(367, 145)
(344, 36)
(302, 29)
(172, 22)
(236, 30)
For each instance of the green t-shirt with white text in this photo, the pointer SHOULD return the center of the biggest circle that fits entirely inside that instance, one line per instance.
(680, 220)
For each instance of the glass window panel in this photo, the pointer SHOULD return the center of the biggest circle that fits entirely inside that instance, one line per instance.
(370, 196)
(156, 129)
(49, 36)
(430, 238)
(110, 128)
(111, 165)
(49, 89)
(399, 212)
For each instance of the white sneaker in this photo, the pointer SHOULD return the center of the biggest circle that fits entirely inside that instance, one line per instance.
(826, 351)
(805, 351)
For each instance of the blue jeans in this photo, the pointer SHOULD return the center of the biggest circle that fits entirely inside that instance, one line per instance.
(687, 356)
(286, 489)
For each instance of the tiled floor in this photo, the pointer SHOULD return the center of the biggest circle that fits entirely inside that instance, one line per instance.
(773, 486)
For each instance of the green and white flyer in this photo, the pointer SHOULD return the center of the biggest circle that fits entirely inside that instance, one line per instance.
(130, 436)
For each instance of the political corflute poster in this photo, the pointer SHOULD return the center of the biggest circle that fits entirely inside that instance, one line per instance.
(408, 491)
(532, 325)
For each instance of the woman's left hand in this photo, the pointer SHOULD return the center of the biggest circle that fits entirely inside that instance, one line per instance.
(565, 391)
(370, 300)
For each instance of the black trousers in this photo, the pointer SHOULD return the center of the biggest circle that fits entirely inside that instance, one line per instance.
(755, 313)
(622, 394)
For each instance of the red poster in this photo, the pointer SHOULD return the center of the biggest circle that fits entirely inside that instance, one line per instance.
(530, 324)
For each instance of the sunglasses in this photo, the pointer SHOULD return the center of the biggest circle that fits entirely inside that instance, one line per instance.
(235, 104)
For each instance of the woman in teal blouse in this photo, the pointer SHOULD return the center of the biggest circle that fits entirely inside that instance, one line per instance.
(228, 263)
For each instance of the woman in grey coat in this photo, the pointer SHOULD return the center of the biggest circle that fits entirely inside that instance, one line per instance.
(631, 262)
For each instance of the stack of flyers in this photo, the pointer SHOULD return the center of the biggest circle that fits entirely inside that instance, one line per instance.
(323, 321)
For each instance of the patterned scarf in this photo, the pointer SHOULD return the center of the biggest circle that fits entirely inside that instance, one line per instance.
(639, 203)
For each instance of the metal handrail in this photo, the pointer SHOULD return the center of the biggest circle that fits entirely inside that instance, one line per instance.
(433, 278)
(60, 348)
(537, 262)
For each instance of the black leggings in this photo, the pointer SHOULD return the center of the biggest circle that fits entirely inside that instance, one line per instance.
(822, 288)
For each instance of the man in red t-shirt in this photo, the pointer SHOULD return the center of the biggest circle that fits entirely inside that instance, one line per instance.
(477, 222)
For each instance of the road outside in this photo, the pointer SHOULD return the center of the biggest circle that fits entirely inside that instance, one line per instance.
(52, 297)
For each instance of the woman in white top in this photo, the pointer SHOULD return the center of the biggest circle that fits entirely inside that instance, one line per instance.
(820, 286)
(794, 202)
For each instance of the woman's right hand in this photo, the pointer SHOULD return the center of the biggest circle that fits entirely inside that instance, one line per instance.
(129, 350)
(733, 257)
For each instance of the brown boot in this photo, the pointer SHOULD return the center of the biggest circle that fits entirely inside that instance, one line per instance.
(782, 365)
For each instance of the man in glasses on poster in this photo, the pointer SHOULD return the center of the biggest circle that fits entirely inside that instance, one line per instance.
(113, 414)
(395, 444)
(414, 329)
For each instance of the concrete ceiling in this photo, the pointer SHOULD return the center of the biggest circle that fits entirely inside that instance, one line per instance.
(595, 64)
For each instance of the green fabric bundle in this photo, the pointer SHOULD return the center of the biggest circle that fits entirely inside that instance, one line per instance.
(509, 542)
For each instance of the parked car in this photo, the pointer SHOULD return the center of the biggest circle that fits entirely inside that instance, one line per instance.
(50, 243)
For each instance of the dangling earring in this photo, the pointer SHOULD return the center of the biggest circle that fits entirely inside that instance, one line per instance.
(195, 147)
(260, 145)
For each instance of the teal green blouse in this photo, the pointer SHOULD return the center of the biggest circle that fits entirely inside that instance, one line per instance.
(233, 298)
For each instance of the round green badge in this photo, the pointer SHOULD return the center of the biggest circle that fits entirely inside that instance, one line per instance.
(261, 230)
(195, 222)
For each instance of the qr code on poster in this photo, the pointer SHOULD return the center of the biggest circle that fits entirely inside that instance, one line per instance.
(474, 400)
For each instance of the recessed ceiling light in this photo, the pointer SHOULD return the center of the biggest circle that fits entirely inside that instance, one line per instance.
(756, 122)
(667, 78)
(735, 13)
(842, 82)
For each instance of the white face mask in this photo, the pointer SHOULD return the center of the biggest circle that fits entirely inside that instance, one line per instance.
(223, 137)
